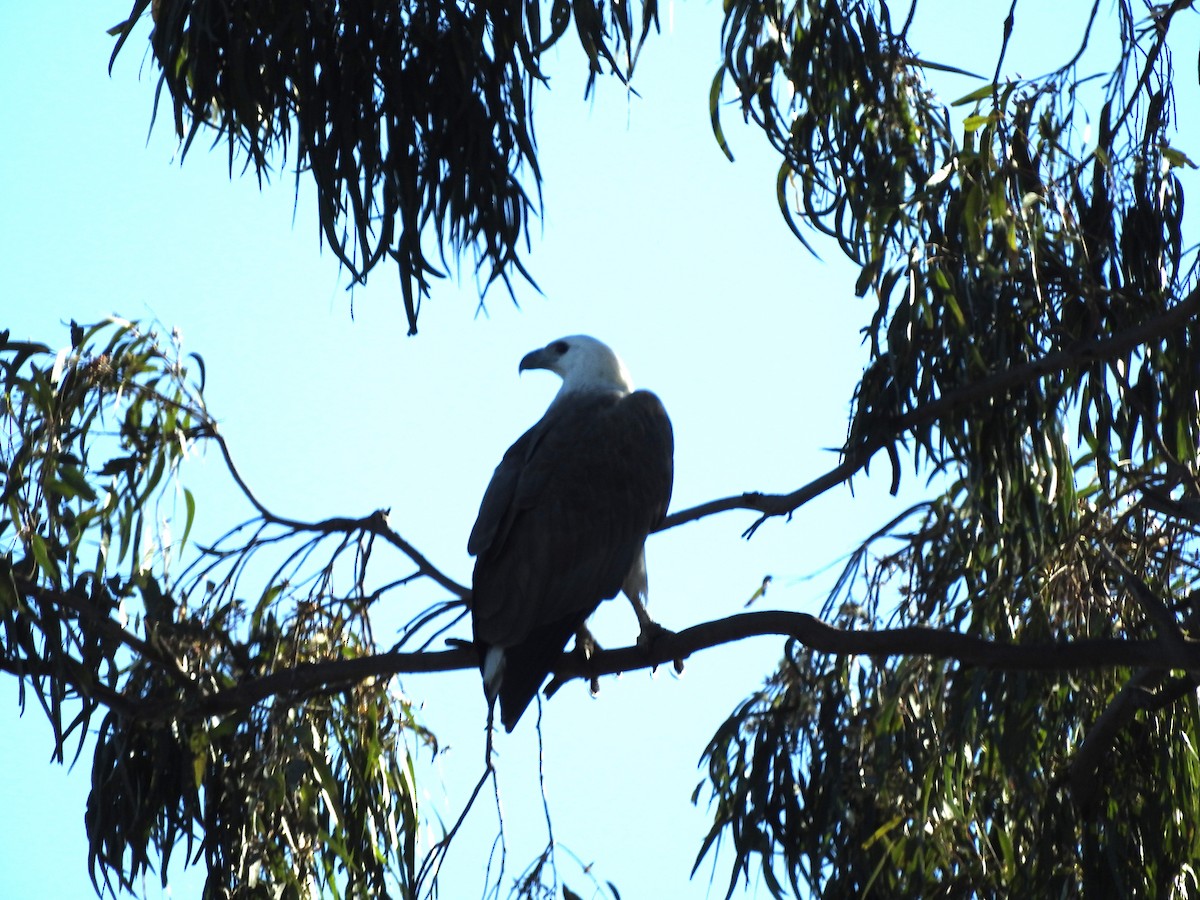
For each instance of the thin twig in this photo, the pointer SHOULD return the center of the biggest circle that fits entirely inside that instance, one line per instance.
(550, 844)
(433, 862)
(375, 524)
(1165, 623)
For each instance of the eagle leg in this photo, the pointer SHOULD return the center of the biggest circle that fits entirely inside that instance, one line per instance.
(637, 589)
(649, 631)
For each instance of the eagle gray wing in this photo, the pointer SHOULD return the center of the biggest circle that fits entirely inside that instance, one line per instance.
(497, 499)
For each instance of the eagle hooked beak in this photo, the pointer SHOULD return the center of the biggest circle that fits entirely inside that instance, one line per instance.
(537, 359)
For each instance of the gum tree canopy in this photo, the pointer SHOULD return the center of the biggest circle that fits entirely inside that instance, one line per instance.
(1001, 696)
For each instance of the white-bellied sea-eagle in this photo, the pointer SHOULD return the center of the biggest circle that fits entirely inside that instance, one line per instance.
(563, 523)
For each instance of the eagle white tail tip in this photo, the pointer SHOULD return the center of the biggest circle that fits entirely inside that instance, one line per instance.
(493, 672)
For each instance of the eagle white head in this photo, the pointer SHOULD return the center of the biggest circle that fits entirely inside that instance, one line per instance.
(583, 363)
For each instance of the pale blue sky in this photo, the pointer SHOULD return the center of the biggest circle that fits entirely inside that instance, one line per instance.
(652, 241)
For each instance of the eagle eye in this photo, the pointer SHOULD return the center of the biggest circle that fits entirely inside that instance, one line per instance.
(560, 347)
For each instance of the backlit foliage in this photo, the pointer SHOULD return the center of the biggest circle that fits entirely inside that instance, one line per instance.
(1034, 347)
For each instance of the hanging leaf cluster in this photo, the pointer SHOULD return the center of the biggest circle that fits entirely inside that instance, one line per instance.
(413, 119)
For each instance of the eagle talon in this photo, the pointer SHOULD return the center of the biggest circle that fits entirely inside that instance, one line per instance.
(585, 648)
(649, 636)
(585, 645)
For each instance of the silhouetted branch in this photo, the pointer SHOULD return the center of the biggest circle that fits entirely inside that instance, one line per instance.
(78, 681)
(856, 459)
(86, 609)
(1137, 694)
(1067, 655)
(1145, 689)
(376, 523)
(1165, 623)
(1085, 653)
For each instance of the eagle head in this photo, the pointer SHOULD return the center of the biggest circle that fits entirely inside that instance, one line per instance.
(583, 363)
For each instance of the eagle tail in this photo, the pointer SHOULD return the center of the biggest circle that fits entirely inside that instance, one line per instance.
(521, 669)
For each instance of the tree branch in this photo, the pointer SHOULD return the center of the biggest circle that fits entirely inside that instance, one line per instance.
(88, 613)
(86, 690)
(376, 523)
(325, 677)
(1165, 623)
(857, 458)
(1085, 653)
(1137, 694)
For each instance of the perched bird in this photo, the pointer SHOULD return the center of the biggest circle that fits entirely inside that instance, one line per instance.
(563, 523)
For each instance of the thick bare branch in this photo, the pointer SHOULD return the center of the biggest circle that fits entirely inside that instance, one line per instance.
(336, 675)
(1088, 653)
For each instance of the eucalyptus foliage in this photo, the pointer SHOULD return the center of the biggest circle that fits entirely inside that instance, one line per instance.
(1035, 348)
(304, 792)
(413, 119)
